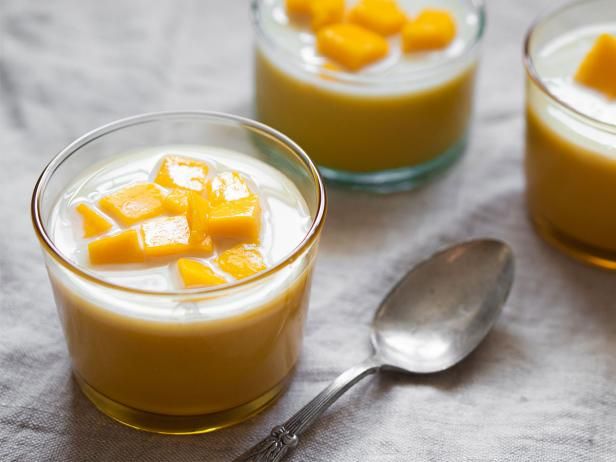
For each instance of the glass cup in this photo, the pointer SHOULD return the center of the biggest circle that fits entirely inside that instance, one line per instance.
(382, 131)
(570, 157)
(192, 360)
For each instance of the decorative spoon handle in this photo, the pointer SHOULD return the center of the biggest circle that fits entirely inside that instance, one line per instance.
(284, 437)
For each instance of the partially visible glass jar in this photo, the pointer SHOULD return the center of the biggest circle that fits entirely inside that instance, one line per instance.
(387, 129)
(570, 147)
(193, 360)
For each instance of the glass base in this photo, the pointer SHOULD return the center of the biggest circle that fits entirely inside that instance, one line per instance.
(180, 425)
(398, 179)
(583, 252)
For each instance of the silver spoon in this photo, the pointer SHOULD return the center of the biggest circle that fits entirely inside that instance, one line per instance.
(431, 320)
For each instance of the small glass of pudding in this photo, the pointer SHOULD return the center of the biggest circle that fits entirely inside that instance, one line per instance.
(570, 58)
(180, 249)
(378, 92)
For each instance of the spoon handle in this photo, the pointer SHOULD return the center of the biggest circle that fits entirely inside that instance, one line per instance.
(284, 437)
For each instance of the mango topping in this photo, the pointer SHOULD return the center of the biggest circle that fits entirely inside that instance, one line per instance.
(241, 261)
(431, 30)
(198, 217)
(320, 12)
(227, 186)
(351, 45)
(93, 222)
(165, 236)
(196, 274)
(182, 172)
(234, 212)
(124, 247)
(179, 217)
(133, 203)
(176, 202)
(381, 16)
(598, 70)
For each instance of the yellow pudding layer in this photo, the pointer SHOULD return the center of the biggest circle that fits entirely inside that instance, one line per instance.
(571, 187)
(364, 133)
(352, 97)
(571, 149)
(183, 367)
(211, 357)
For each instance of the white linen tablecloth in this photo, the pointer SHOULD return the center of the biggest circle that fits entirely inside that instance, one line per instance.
(542, 387)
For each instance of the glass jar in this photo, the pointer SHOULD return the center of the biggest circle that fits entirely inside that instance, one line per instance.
(570, 157)
(192, 360)
(383, 130)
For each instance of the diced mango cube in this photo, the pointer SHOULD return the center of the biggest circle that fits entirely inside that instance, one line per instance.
(234, 210)
(124, 247)
(241, 261)
(196, 274)
(133, 203)
(240, 219)
(431, 30)
(297, 7)
(320, 12)
(93, 222)
(381, 16)
(351, 45)
(325, 12)
(176, 202)
(182, 172)
(227, 186)
(164, 236)
(197, 215)
(598, 70)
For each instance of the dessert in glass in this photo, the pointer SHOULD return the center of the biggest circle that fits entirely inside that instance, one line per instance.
(378, 92)
(570, 160)
(180, 248)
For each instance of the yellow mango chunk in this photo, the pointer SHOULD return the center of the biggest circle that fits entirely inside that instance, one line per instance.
(176, 202)
(227, 186)
(381, 16)
(320, 12)
(196, 274)
(240, 219)
(182, 172)
(93, 222)
(124, 247)
(325, 12)
(197, 216)
(164, 236)
(241, 261)
(234, 210)
(431, 30)
(297, 7)
(598, 70)
(351, 45)
(133, 203)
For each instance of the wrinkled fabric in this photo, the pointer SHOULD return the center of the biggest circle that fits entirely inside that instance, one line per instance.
(542, 387)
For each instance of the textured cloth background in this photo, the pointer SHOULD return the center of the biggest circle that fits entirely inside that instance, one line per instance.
(542, 387)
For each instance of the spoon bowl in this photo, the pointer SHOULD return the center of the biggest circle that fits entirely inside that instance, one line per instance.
(438, 314)
(431, 320)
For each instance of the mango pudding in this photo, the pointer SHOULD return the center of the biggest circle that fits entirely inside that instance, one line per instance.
(378, 92)
(571, 130)
(180, 258)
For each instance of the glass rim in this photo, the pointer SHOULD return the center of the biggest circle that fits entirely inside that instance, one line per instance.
(354, 79)
(49, 246)
(533, 74)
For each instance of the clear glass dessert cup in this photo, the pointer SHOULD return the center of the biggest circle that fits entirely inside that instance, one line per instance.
(193, 360)
(570, 157)
(374, 132)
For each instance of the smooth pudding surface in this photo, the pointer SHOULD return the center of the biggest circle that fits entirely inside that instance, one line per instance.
(401, 111)
(175, 352)
(571, 159)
